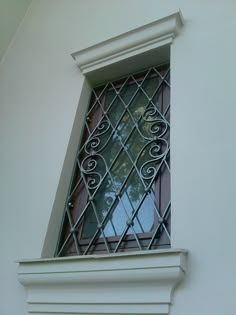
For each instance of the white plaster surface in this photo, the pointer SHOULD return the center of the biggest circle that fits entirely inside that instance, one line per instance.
(11, 15)
(39, 91)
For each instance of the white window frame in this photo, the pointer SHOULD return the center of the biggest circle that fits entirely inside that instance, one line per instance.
(128, 283)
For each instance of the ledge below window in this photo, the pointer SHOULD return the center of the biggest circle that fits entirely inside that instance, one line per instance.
(129, 283)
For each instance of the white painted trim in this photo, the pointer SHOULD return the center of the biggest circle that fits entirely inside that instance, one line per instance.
(137, 41)
(132, 283)
(146, 39)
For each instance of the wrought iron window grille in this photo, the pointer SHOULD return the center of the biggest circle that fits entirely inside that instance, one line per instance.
(119, 196)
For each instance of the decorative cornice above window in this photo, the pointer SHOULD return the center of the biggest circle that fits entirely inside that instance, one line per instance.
(145, 45)
(130, 283)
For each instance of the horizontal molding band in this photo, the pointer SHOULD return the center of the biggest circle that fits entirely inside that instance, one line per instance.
(137, 283)
(131, 41)
(139, 48)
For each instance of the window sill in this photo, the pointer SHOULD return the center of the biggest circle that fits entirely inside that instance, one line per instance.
(129, 283)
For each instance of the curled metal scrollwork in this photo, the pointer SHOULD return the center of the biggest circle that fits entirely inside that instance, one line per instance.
(155, 123)
(88, 168)
(92, 145)
(151, 113)
(156, 152)
(157, 147)
(159, 128)
(94, 142)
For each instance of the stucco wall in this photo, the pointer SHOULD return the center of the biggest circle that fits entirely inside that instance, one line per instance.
(39, 91)
(11, 15)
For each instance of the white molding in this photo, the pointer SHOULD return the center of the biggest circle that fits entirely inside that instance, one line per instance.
(143, 42)
(131, 283)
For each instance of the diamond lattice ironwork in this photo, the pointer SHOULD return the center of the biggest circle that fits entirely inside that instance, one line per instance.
(119, 198)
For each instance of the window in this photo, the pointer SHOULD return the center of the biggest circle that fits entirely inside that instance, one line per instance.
(127, 283)
(119, 197)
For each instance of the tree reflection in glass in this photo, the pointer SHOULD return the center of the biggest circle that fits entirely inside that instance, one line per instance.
(132, 118)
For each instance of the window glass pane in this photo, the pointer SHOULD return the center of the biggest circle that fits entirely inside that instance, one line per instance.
(120, 194)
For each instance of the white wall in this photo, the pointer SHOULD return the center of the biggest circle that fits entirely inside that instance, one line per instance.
(11, 14)
(39, 90)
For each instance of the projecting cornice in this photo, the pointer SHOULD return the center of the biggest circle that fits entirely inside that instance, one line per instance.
(131, 283)
(138, 45)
